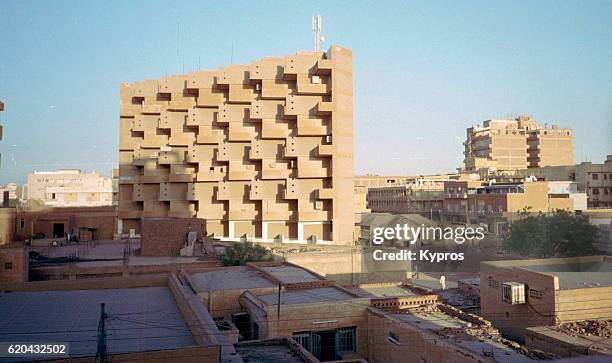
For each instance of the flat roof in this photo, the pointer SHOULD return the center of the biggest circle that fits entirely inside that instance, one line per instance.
(230, 279)
(290, 274)
(267, 351)
(309, 296)
(140, 319)
(436, 321)
(578, 275)
(390, 291)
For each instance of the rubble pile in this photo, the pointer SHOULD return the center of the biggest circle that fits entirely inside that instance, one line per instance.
(599, 328)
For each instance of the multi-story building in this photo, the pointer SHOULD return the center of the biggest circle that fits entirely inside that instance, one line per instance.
(593, 179)
(419, 196)
(516, 143)
(10, 194)
(371, 181)
(69, 188)
(261, 151)
(550, 147)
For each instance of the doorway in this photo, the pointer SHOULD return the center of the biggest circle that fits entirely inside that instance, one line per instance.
(58, 230)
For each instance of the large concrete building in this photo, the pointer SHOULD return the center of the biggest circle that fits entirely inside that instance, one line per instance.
(517, 143)
(69, 188)
(261, 151)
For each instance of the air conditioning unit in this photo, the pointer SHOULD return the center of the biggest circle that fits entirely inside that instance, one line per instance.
(513, 292)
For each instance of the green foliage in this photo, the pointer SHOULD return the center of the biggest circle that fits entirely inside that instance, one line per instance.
(559, 234)
(240, 253)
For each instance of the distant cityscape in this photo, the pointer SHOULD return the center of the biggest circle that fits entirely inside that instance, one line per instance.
(234, 230)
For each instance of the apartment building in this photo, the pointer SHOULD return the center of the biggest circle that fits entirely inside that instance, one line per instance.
(371, 181)
(593, 179)
(69, 188)
(495, 204)
(516, 143)
(420, 196)
(262, 151)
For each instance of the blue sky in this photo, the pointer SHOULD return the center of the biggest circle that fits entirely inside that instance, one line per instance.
(423, 71)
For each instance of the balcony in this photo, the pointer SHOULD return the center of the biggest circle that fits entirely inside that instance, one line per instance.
(325, 108)
(207, 135)
(326, 150)
(306, 86)
(181, 105)
(239, 171)
(313, 168)
(311, 126)
(210, 98)
(240, 93)
(208, 175)
(170, 157)
(324, 67)
(325, 193)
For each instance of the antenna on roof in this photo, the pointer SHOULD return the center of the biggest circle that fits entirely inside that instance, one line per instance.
(317, 25)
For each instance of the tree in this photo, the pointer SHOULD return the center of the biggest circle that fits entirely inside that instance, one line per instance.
(558, 234)
(241, 253)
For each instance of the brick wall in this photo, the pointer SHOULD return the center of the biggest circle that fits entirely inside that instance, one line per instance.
(166, 236)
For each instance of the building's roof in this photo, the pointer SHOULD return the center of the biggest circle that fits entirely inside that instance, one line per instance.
(323, 294)
(389, 291)
(578, 275)
(268, 351)
(388, 219)
(230, 279)
(290, 274)
(573, 272)
(439, 322)
(140, 319)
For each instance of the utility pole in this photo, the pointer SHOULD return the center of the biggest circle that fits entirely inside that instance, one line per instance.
(101, 353)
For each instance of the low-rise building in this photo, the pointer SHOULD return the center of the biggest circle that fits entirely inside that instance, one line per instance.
(519, 294)
(145, 319)
(495, 205)
(593, 179)
(420, 196)
(69, 188)
(14, 263)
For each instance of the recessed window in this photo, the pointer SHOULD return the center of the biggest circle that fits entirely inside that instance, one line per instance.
(8, 265)
(595, 176)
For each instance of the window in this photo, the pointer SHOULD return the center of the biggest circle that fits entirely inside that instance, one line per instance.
(346, 339)
(8, 266)
(52, 195)
(595, 191)
(22, 223)
(595, 176)
(492, 283)
(535, 294)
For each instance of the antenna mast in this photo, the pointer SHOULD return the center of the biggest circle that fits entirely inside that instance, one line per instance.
(317, 25)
